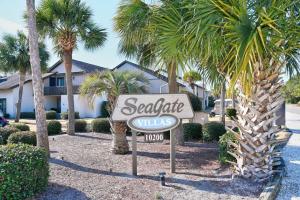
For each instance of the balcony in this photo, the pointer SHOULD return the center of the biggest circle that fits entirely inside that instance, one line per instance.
(56, 91)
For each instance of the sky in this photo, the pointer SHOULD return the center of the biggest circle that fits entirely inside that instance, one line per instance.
(11, 20)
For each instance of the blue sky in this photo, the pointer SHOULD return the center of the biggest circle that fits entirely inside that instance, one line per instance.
(11, 20)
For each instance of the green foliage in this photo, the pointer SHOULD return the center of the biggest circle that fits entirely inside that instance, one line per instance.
(192, 131)
(24, 171)
(80, 125)
(103, 109)
(5, 132)
(101, 126)
(191, 76)
(211, 101)
(195, 101)
(25, 137)
(166, 135)
(231, 113)
(212, 131)
(27, 115)
(224, 147)
(51, 114)
(20, 126)
(6, 115)
(54, 127)
(64, 115)
(291, 90)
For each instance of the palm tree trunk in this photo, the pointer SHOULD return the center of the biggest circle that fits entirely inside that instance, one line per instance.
(173, 88)
(71, 112)
(222, 104)
(37, 82)
(22, 75)
(119, 143)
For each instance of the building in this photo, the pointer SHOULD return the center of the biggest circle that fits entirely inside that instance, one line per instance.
(56, 93)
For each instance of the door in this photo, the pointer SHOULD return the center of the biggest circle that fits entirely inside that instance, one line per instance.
(3, 106)
(58, 106)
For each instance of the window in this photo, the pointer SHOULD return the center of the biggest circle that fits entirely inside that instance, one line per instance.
(60, 81)
(3, 106)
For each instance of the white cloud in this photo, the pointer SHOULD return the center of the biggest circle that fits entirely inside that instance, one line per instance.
(7, 26)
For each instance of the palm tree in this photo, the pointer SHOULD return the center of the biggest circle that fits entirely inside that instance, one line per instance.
(252, 42)
(37, 81)
(113, 84)
(67, 22)
(191, 77)
(14, 57)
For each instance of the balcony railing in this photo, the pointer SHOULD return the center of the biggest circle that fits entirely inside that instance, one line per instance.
(53, 90)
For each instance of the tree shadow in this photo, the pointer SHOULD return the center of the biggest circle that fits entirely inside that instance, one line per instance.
(91, 137)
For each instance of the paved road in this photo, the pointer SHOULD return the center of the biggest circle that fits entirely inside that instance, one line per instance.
(291, 183)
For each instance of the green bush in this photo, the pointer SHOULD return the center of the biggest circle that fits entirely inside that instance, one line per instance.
(195, 101)
(80, 125)
(5, 132)
(6, 115)
(24, 171)
(211, 101)
(20, 126)
(27, 115)
(54, 127)
(51, 114)
(192, 131)
(100, 126)
(224, 147)
(64, 115)
(231, 113)
(213, 130)
(103, 109)
(166, 135)
(25, 137)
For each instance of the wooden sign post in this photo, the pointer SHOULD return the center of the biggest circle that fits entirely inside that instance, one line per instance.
(153, 113)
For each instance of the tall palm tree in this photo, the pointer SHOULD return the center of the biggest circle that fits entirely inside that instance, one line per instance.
(68, 22)
(191, 77)
(113, 84)
(37, 81)
(14, 57)
(253, 42)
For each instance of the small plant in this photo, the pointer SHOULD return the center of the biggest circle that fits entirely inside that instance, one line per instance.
(212, 131)
(103, 110)
(25, 137)
(80, 125)
(51, 114)
(195, 101)
(192, 131)
(5, 132)
(64, 115)
(6, 115)
(27, 115)
(224, 147)
(24, 171)
(100, 126)
(231, 113)
(166, 135)
(54, 127)
(211, 101)
(20, 126)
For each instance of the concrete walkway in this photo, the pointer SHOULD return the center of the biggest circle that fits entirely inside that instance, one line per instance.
(291, 183)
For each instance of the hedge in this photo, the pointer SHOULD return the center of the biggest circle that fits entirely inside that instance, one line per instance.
(224, 147)
(20, 126)
(64, 115)
(212, 131)
(80, 125)
(25, 137)
(27, 115)
(103, 109)
(24, 171)
(231, 113)
(100, 126)
(54, 127)
(51, 114)
(195, 101)
(5, 132)
(192, 131)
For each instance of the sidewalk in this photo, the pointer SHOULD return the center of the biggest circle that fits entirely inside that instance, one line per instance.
(291, 183)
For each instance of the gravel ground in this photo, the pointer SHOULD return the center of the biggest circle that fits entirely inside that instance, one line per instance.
(82, 167)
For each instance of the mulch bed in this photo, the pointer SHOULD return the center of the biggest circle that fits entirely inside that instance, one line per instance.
(82, 167)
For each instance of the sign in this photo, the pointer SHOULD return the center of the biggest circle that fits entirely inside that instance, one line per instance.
(153, 137)
(152, 112)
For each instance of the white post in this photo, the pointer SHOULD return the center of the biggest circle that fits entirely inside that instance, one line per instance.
(134, 154)
(172, 151)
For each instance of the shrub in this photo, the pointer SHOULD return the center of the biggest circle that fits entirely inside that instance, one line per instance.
(103, 109)
(5, 132)
(20, 126)
(54, 127)
(212, 131)
(195, 101)
(26, 137)
(27, 115)
(166, 135)
(51, 114)
(64, 115)
(80, 125)
(231, 113)
(101, 126)
(211, 101)
(192, 131)
(24, 171)
(6, 115)
(224, 147)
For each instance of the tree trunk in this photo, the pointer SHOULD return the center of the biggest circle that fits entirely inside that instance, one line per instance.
(37, 81)
(120, 143)
(22, 75)
(222, 103)
(71, 112)
(173, 88)
(254, 150)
